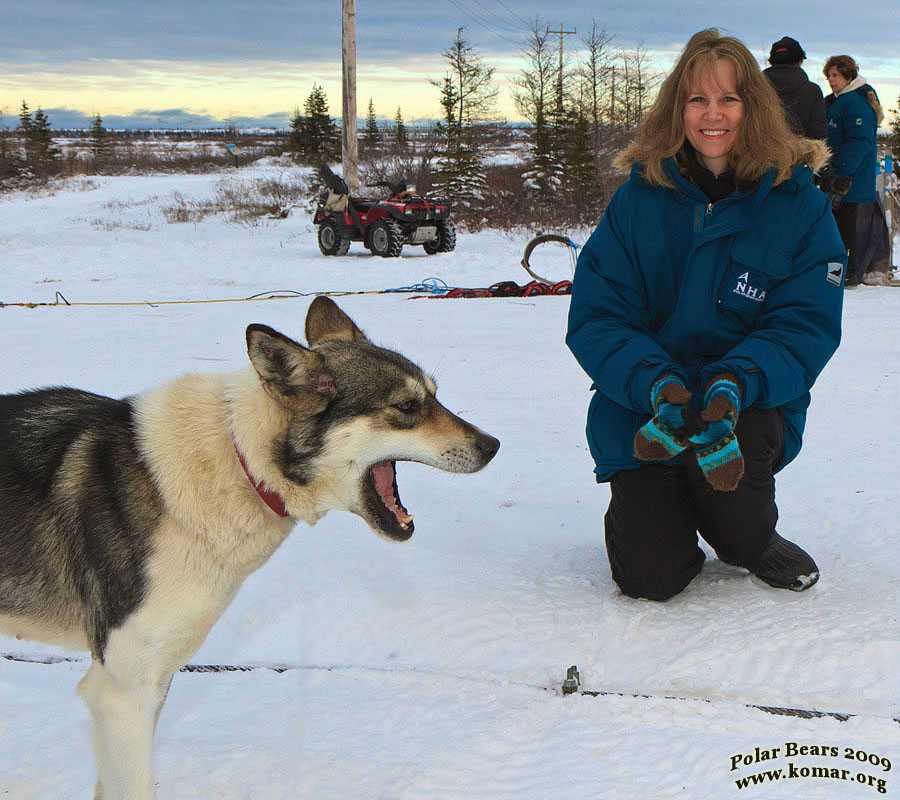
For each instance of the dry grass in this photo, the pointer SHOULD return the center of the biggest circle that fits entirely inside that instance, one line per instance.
(242, 202)
(126, 155)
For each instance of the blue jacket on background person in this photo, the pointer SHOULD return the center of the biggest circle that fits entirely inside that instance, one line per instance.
(852, 137)
(750, 285)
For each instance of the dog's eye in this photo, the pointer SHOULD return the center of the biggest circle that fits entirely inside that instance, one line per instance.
(408, 406)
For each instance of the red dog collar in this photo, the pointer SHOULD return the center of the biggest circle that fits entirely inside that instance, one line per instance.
(272, 499)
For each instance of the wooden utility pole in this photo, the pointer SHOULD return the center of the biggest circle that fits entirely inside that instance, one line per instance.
(559, 92)
(349, 145)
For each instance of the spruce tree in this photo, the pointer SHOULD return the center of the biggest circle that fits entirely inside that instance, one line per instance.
(323, 130)
(43, 140)
(99, 139)
(25, 120)
(458, 174)
(6, 156)
(314, 134)
(401, 140)
(372, 136)
(297, 136)
(468, 99)
(39, 150)
(579, 177)
(534, 99)
(26, 123)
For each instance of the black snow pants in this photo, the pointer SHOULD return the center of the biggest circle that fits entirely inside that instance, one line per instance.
(845, 216)
(656, 512)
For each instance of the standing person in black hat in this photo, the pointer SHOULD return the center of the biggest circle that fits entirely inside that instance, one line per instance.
(802, 99)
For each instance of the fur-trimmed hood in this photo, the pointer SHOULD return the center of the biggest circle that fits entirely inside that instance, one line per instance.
(859, 84)
(818, 155)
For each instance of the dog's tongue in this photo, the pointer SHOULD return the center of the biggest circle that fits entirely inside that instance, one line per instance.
(385, 479)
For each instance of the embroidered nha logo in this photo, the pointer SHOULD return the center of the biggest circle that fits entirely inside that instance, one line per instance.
(744, 289)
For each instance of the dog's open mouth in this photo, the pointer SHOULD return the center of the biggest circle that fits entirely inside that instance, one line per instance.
(382, 500)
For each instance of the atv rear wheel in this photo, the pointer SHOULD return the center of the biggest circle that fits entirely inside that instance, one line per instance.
(331, 242)
(445, 240)
(386, 239)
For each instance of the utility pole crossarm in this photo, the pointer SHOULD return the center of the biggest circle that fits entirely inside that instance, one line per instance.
(559, 98)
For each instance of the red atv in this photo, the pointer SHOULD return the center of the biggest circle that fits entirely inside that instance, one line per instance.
(383, 226)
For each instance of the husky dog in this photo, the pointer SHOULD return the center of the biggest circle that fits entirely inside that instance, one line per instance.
(127, 526)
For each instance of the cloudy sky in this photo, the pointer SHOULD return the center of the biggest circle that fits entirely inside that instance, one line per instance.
(191, 63)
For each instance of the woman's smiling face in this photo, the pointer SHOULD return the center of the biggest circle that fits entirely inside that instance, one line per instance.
(713, 113)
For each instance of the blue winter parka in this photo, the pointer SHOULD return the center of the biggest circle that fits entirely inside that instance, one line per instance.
(671, 283)
(852, 138)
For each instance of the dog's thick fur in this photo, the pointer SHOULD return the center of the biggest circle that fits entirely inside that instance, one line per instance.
(127, 526)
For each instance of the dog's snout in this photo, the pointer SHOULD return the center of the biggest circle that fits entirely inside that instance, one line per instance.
(487, 446)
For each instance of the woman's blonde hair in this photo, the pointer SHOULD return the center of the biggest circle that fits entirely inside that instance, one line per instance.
(764, 139)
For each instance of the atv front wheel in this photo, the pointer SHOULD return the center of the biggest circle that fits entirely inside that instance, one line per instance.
(386, 239)
(331, 242)
(445, 240)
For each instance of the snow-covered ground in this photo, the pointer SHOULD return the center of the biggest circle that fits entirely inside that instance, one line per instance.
(431, 669)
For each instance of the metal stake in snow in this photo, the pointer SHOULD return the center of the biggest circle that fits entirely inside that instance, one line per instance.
(572, 683)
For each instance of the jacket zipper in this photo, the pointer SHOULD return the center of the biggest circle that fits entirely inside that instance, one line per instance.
(701, 219)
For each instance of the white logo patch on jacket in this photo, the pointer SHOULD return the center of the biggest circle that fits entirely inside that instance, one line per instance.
(744, 289)
(834, 272)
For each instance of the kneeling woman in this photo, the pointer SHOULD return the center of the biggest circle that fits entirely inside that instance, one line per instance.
(704, 306)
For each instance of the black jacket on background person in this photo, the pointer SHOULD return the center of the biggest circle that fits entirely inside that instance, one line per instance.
(802, 100)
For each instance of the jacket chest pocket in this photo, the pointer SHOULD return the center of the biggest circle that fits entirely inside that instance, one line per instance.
(753, 271)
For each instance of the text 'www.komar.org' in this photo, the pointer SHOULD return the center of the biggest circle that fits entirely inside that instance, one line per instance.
(834, 770)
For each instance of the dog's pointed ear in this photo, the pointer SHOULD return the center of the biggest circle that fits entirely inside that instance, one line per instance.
(325, 320)
(287, 369)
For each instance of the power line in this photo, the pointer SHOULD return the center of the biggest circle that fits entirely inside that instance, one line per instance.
(482, 21)
(521, 19)
(493, 14)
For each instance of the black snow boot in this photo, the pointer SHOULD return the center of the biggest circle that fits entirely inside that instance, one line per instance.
(783, 565)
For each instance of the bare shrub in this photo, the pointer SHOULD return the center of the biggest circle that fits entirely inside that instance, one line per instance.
(410, 167)
(186, 210)
(243, 202)
(113, 225)
(508, 201)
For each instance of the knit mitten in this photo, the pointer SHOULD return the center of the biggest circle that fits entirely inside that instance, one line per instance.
(716, 448)
(663, 436)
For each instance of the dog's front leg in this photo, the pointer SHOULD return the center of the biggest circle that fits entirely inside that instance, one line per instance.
(125, 708)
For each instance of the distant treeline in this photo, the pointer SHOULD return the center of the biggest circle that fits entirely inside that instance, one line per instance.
(175, 134)
(186, 134)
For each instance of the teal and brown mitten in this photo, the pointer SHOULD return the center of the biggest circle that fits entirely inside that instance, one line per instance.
(663, 436)
(716, 448)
